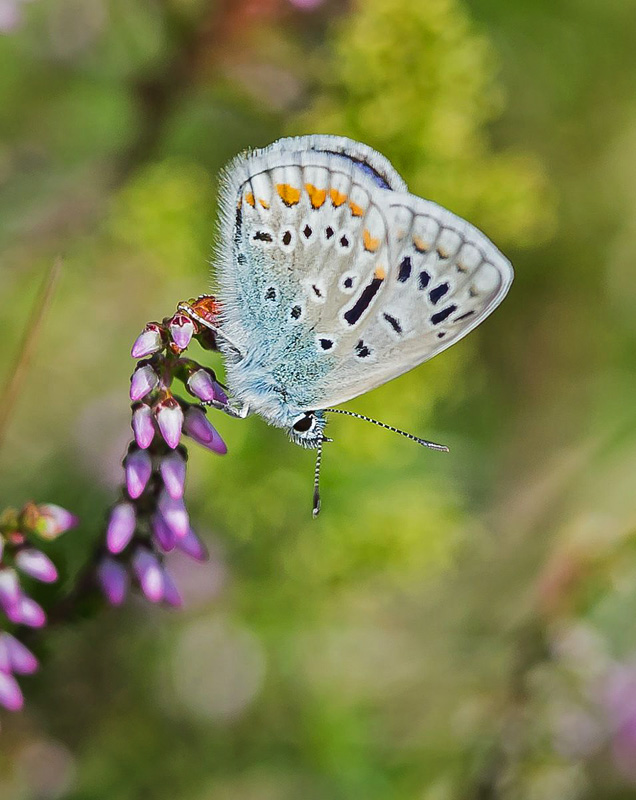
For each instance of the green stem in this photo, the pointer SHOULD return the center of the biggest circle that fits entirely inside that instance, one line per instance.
(32, 330)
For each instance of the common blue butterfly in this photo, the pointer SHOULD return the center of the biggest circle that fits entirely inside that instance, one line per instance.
(333, 279)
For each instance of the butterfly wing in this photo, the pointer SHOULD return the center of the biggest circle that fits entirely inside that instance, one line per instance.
(334, 279)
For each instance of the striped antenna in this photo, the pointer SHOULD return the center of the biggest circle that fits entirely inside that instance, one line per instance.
(423, 442)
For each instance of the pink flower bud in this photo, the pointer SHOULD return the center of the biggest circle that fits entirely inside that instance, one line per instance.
(143, 425)
(199, 428)
(173, 473)
(191, 545)
(171, 594)
(149, 574)
(16, 656)
(121, 526)
(201, 384)
(138, 467)
(174, 514)
(113, 580)
(27, 612)
(36, 564)
(148, 342)
(181, 330)
(170, 421)
(10, 694)
(164, 536)
(9, 589)
(53, 521)
(142, 382)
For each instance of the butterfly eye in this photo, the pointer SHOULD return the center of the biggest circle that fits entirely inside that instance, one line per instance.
(303, 424)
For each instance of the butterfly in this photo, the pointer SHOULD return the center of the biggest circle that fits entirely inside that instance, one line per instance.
(333, 279)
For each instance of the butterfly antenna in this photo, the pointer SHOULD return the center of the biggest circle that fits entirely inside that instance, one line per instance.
(424, 442)
(316, 509)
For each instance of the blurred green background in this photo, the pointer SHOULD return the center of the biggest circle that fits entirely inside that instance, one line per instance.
(455, 627)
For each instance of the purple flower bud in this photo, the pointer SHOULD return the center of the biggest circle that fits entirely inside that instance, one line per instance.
(149, 341)
(9, 589)
(199, 428)
(149, 574)
(138, 466)
(170, 421)
(173, 473)
(181, 330)
(10, 694)
(201, 384)
(143, 425)
(113, 580)
(174, 514)
(121, 526)
(18, 658)
(171, 594)
(164, 536)
(191, 545)
(27, 612)
(54, 520)
(36, 564)
(142, 382)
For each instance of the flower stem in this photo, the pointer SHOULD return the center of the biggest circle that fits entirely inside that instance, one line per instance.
(11, 391)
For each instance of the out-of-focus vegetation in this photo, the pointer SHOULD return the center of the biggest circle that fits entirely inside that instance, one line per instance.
(453, 627)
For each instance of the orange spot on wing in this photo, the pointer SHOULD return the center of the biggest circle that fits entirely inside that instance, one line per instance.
(289, 194)
(379, 273)
(370, 243)
(420, 245)
(249, 198)
(317, 196)
(264, 203)
(356, 210)
(337, 198)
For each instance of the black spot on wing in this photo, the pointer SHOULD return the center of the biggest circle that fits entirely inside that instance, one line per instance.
(438, 292)
(404, 272)
(362, 303)
(393, 322)
(445, 313)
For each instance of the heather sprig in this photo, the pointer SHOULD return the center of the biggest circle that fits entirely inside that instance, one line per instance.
(20, 558)
(169, 394)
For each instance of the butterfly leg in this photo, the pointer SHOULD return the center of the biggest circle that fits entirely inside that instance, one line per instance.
(187, 309)
(240, 411)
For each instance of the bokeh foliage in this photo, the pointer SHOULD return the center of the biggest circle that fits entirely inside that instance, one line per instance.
(416, 641)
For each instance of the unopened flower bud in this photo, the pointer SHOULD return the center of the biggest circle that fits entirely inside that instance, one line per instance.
(191, 545)
(10, 694)
(148, 342)
(53, 521)
(143, 425)
(36, 564)
(143, 380)
(113, 580)
(9, 589)
(121, 526)
(171, 594)
(138, 468)
(181, 330)
(201, 384)
(149, 574)
(199, 428)
(27, 612)
(16, 656)
(170, 421)
(164, 536)
(174, 514)
(173, 473)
